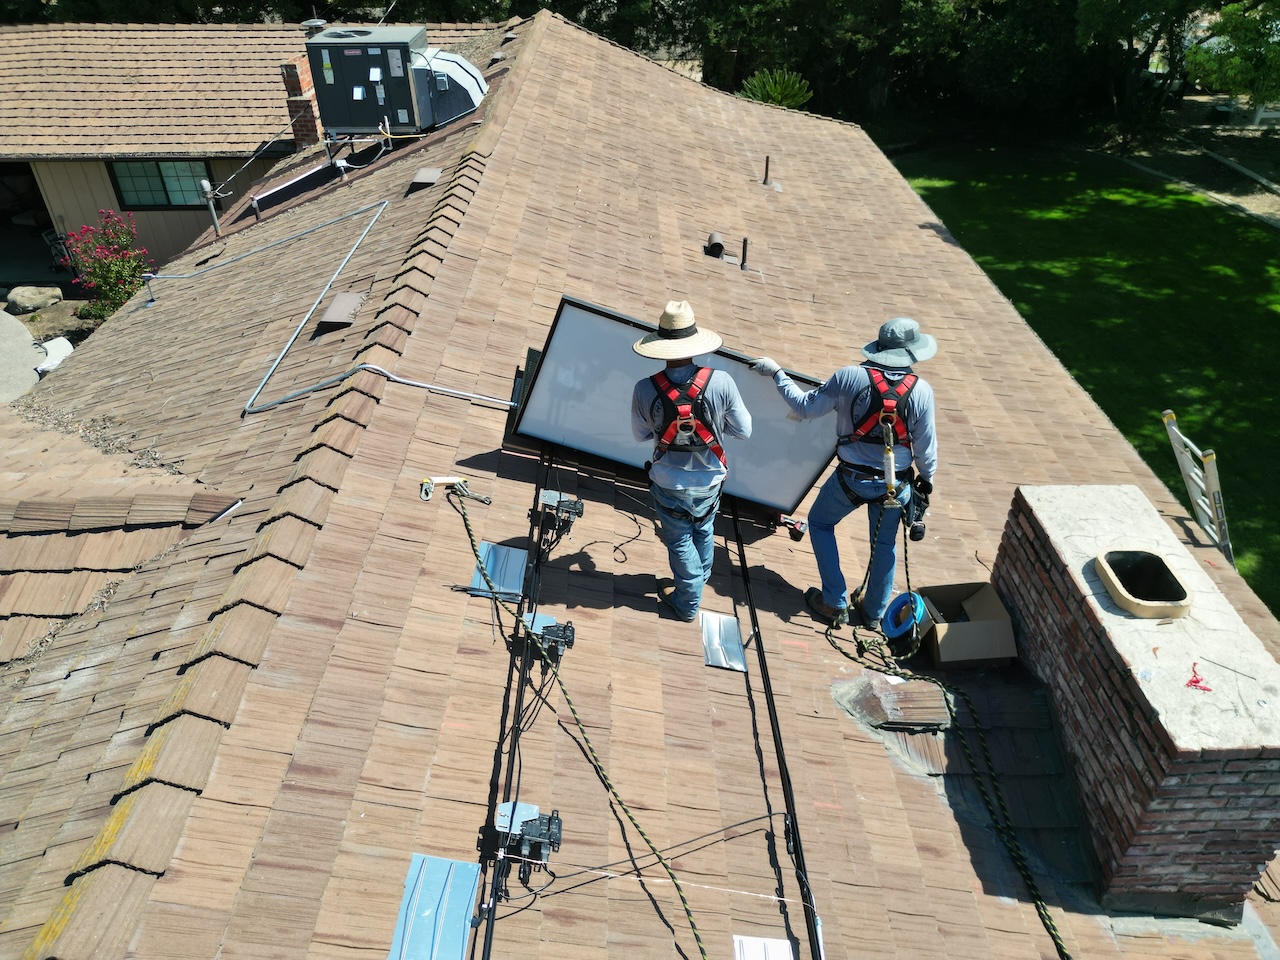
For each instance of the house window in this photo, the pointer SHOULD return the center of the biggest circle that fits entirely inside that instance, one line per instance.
(158, 184)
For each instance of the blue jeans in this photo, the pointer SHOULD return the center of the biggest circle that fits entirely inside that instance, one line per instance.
(832, 506)
(690, 542)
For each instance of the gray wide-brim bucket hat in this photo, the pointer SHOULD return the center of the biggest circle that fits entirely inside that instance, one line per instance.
(900, 344)
(677, 336)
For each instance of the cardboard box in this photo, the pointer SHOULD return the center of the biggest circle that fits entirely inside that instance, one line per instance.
(966, 624)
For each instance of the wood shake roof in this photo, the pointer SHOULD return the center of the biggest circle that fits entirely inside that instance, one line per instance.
(236, 753)
(79, 91)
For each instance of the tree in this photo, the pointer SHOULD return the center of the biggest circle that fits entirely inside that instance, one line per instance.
(1133, 35)
(1241, 54)
(1021, 59)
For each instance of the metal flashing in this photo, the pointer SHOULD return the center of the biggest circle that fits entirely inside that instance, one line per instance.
(506, 566)
(722, 642)
(761, 948)
(341, 312)
(435, 912)
(425, 177)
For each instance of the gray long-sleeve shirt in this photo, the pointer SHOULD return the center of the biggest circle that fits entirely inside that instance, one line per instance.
(848, 392)
(728, 415)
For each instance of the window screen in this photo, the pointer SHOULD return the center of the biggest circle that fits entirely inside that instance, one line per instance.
(158, 184)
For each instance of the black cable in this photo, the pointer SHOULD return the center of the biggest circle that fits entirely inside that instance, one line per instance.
(794, 844)
(619, 548)
(540, 696)
(675, 846)
(522, 652)
(530, 593)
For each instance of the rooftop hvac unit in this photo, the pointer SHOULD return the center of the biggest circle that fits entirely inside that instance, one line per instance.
(386, 79)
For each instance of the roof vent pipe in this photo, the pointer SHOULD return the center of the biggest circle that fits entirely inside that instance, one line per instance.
(206, 191)
(312, 27)
(743, 265)
(715, 246)
(766, 170)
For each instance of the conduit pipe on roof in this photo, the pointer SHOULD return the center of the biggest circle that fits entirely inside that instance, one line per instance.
(330, 381)
(274, 243)
(434, 388)
(380, 206)
(430, 387)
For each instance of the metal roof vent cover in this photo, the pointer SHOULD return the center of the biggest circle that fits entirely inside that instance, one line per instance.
(448, 86)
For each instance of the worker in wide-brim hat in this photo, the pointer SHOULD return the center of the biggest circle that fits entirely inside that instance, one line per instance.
(882, 391)
(686, 411)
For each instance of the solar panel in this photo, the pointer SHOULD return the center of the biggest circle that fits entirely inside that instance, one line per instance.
(579, 397)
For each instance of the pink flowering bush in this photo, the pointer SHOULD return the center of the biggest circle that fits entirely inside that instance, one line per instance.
(106, 265)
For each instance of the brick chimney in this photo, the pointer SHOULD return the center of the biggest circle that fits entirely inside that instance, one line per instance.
(296, 75)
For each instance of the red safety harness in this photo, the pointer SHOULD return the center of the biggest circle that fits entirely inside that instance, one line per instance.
(682, 415)
(884, 409)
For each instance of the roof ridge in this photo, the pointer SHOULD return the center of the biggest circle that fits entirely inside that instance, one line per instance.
(495, 121)
(726, 93)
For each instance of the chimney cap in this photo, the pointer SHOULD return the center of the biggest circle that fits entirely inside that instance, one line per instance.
(314, 26)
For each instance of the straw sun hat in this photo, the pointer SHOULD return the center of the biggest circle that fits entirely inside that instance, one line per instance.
(677, 336)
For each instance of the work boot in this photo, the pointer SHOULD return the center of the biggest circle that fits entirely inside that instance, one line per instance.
(859, 616)
(833, 616)
(666, 593)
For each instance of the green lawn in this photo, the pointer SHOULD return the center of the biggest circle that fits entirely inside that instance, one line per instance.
(1154, 298)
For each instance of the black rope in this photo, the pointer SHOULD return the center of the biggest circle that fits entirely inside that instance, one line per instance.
(997, 809)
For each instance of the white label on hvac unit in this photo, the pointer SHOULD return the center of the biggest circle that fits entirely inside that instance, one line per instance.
(382, 94)
(395, 61)
(328, 66)
(375, 74)
(402, 116)
(357, 93)
(375, 51)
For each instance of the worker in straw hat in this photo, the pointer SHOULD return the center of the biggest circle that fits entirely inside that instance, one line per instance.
(882, 391)
(686, 411)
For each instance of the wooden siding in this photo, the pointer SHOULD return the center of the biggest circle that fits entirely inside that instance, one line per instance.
(75, 190)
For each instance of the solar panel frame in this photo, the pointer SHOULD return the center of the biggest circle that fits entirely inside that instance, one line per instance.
(578, 397)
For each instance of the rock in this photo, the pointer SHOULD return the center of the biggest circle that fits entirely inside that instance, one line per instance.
(30, 299)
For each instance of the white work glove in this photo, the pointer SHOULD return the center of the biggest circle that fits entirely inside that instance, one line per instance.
(765, 366)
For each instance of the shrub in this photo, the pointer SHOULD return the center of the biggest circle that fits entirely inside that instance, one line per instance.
(782, 87)
(107, 266)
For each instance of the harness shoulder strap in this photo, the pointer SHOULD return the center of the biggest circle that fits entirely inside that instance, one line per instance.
(682, 411)
(884, 402)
